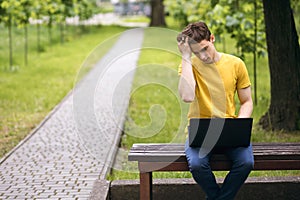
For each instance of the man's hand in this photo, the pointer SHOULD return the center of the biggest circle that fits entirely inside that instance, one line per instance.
(183, 46)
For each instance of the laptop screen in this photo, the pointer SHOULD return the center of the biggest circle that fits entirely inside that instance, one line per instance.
(220, 132)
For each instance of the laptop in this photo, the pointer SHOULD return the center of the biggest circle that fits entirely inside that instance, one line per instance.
(220, 132)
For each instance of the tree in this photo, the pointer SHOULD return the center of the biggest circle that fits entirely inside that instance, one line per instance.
(66, 9)
(52, 9)
(8, 10)
(180, 10)
(284, 56)
(39, 11)
(84, 9)
(186, 11)
(157, 13)
(23, 21)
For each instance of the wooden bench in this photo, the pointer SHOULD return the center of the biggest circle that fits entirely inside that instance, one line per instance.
(171, 157)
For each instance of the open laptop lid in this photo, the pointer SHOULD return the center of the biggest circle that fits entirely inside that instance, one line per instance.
(220, 132)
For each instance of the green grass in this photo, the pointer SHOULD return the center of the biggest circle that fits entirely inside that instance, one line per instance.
(155, 104)
(156, 113)
(28, 93)
(136, 18)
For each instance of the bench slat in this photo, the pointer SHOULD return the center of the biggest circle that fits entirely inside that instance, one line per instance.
(180, 148)
(175, 152)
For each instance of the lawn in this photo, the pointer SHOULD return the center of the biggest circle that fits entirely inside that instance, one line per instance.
(156, 113)
(29, 93)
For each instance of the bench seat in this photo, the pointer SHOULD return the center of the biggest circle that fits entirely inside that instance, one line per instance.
(171, 157)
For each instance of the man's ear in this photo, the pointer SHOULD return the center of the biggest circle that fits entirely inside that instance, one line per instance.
(212, 38)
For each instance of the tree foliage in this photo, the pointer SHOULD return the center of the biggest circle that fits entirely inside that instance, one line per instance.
(19, 13)
(224, 16)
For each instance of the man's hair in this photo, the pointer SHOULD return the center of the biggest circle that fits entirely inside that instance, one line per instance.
(196, 32)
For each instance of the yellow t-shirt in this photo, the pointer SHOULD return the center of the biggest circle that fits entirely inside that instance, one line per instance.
(216, 85)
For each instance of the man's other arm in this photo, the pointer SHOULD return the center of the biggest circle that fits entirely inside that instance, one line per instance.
(246, 102)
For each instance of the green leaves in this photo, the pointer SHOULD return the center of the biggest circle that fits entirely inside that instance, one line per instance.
(232, 21)
(237, 18)
(57, 10)
(19, 12)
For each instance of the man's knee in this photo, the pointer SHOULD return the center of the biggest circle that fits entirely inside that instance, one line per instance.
(246, 164)
(198, 164)
(249, 164)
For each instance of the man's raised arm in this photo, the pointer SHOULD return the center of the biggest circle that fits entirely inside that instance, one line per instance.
(187, 81)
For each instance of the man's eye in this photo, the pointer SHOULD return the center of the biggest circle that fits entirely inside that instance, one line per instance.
(204, 49)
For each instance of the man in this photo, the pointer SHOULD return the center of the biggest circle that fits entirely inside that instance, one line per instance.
(209, 81)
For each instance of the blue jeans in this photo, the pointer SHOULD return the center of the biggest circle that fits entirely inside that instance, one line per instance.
(242, 164)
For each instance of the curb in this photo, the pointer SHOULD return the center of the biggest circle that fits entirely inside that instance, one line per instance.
(284, 188)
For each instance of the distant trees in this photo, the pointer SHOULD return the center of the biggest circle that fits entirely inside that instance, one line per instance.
(19, 13)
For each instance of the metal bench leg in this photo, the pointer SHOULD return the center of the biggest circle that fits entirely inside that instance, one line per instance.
(145, 185)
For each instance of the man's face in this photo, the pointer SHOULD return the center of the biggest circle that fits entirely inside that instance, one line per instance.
(205, 51)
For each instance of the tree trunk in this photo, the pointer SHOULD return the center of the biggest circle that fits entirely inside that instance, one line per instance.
(157, 13)
(254, 52)
(62, 38)
(284, 56)
(26, 44)
(50, 34)
(10, 43)
(38, 36)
